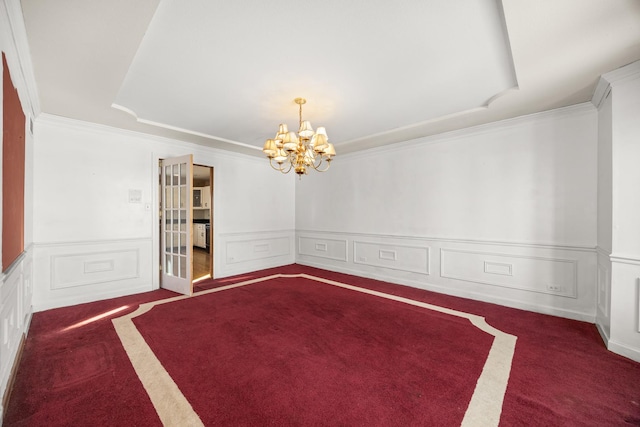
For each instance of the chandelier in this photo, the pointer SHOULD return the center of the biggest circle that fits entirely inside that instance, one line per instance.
(301, 151)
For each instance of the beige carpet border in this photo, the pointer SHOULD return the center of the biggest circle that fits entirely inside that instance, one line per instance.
(173, 408)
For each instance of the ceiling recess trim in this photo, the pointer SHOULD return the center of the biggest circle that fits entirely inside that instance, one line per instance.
(179, 129)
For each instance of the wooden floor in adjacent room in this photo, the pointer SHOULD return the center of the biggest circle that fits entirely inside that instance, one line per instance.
(201, 263)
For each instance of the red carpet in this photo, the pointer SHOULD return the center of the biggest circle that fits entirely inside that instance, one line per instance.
(78, 375)
(232, 355)
(299, 352)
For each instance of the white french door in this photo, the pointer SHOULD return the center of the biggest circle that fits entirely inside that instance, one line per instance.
(176, 233)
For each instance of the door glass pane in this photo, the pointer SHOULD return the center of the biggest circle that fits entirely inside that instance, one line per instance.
(183, 223)
(176, 265)
(183, 197)
(168, 265)
(175, 175)
(174, 219)
(176, 197)
(183, 174)
(183, 243)
(183, 267)
(167, 175)
(167, 198)
(167, 242)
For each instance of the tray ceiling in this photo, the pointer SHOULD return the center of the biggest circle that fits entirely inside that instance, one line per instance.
(225, 74)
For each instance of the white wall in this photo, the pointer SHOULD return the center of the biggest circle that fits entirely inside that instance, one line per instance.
(505, 212)
(82, 176)
(622, 333)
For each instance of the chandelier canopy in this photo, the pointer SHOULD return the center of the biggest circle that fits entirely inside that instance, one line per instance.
(301, 151)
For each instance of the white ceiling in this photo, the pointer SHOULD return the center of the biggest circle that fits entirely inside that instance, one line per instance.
(374, 72)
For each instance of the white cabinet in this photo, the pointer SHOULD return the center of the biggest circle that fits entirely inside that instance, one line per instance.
(199, 236)
(206, 197)
(202, 197)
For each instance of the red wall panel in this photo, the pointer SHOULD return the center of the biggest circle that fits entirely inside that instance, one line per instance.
(13, 123)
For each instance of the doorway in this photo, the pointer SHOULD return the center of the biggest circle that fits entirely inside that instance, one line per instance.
(193, 242)
(202, 222)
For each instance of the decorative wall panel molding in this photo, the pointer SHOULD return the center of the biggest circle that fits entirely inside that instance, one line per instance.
(9, 316)
(604, 274)
(498, 268)
(558, 280)
(243, 252)
(9, 333)
(68, 273)
(239, 251)
(333, 249)
(413, 259)
(638, 304)
(80, 269)
(545, 275)
(15, 313)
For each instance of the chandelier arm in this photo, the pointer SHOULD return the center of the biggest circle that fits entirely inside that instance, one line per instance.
(317, 167)
(276, 168)
(279, 168)
(288, 170)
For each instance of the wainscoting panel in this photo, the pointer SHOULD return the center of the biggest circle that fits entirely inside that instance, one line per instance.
(334, 249)
(604, 275)
(551, 279)
(251, 251)
(15, 313)
(545, 275)
(77, 272)
(638, 305)
(10, 329)
(71, 270)
(603, 294)
(27, 289)
(396, 257)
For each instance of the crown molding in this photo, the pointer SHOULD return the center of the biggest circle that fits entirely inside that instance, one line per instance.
(600, 93)
(623, 74)
(183, 130)
(575, 110)
(100, 129)
(25, 78)
(613, 78)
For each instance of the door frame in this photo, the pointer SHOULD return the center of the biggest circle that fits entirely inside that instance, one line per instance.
(211, 216)
(154, 206)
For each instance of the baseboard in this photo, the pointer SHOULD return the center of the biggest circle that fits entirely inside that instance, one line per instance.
(82, 299)
(12, 376)
(552, 311)
(623, 350)
(603, 334)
